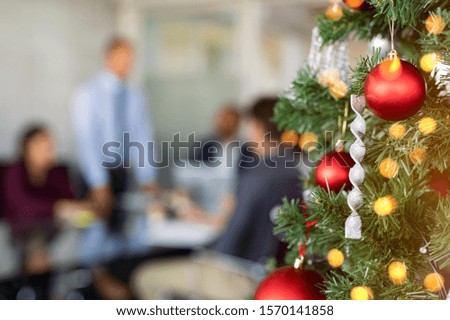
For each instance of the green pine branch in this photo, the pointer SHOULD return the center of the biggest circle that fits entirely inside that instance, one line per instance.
(421, 215)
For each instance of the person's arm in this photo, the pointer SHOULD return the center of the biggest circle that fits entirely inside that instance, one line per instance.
(193, 212)
(60, 181)
(250, 231)
(142, 132)
(272, 198)
(90, 152)
(66, 206)
(233, 240)
(86, 133)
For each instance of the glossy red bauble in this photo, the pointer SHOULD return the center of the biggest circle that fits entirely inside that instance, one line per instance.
(440, 182)
(395, 92)
(332, 171)
(289, 283)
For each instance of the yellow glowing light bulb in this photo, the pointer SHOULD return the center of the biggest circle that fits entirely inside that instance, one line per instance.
(433, 282)
(398, 272)
(389, 168)
(385, 206)
(308, 141)
(355, 4)
(335, 258)
(435, 24)
(338, 89)
(429, 61)
(391, 68)
(334, 12)
(427, 125)
(290, 137)
(418, 155)
(397, 131)
(361, 293)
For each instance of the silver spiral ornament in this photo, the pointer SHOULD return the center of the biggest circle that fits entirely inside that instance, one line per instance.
(353, 223)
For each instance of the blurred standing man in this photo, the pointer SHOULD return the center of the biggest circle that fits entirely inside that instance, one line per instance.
(105, 108)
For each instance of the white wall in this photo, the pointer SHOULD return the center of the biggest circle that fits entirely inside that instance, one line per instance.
(184, 92)
(46, 48)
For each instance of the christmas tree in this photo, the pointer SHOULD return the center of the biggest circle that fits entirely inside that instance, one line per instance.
(380, 218)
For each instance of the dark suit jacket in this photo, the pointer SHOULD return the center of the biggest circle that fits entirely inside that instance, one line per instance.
(249, 234)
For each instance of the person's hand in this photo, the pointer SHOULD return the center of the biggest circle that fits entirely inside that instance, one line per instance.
(111, 288)
(38, 262)
(193, 213)
(66, 212)
(197, 215)
(102, 201)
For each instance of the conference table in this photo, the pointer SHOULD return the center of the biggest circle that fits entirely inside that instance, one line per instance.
(96, 244)
(76, 251)
(142, 232)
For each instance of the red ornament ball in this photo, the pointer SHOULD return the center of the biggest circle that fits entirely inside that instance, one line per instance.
(332, 171)
(440, 182)
(289, 283)
(395, 90)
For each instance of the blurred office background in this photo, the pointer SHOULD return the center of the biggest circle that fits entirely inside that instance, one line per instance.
(193, 56)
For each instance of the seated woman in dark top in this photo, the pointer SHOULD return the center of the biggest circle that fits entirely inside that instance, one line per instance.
(34, 189)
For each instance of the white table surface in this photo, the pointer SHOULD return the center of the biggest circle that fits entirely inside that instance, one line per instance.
(180, 234)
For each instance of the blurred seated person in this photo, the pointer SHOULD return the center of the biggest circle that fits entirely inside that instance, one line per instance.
(35, 190)
(215, 184)
(247, 239)
(226, 129)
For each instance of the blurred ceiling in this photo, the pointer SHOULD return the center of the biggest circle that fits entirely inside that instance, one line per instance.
(297, 16)
(311, 4)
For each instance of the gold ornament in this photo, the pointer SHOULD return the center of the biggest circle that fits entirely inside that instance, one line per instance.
(418, 155)
(429, 61)
(397, 272)
(361, 293)
(433, 282)
(335, 258)
(397, 131)
(385, 206)
(290, 138)
(338, 89)
(389, 168)
(334, 12)
(308, 141)
(435, 24)
(427, 125)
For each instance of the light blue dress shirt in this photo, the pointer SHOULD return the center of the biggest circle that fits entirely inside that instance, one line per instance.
(95, 123)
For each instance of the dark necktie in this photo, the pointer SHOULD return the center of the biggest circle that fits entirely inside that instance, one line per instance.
(120, 118)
